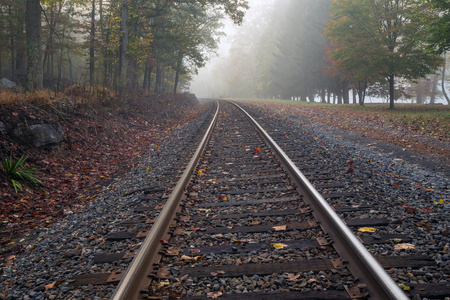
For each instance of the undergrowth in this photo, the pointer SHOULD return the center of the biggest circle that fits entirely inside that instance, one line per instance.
(17, 170)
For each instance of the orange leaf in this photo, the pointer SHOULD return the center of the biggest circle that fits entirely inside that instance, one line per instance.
(52, 285)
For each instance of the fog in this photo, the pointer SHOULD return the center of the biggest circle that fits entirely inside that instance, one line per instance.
(209, 82)
(280, 51)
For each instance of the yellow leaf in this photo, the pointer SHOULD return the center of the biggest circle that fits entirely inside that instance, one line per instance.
(396, 240)
(163, 283)
(441, 201)
(190, 258)
(366, 229)
(148, 169)
(200, 172)
(278, 246)
(204, 209)
(404, 287)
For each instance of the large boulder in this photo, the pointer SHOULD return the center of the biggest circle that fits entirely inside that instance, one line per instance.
(39, 135)
(6, 83)
(46, 134)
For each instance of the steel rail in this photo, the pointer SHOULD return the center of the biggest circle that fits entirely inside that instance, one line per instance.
(360, 261)
(136, 277)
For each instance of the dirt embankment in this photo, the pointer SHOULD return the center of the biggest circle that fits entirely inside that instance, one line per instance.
(97, 144)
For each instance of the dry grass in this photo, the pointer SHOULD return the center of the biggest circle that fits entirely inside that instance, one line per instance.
(97, 97)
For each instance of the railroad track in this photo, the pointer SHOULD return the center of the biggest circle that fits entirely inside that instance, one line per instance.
(248, 225)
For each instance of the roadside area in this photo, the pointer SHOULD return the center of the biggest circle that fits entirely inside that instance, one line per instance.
(419, 134)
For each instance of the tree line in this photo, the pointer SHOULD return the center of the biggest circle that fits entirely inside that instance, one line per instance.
(124, 45)
(323, 49)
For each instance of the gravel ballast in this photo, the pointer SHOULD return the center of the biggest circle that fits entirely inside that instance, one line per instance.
(415, 197)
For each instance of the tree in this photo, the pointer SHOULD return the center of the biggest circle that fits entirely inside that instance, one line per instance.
(34, 45)
(439, 28)
(395, 33)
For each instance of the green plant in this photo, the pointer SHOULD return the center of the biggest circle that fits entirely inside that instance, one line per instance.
(16, 170)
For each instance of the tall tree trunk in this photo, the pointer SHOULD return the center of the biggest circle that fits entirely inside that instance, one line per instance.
(91, 46)
(34, 42)
(12, 66)
(345, 93)
(48, 55)
(419, 99)
(178, 70)
(144, 82)
(443, 81)
(391, 79)
(361, 87)
(149, 83)
(124, 48)
(158, 80)
(20, 45)
(434, 89)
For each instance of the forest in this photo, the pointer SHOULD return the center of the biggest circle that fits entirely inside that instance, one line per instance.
(324, 50)
(338, 52)
(122, 45)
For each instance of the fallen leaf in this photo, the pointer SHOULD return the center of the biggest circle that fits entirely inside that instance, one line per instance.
(350, 171)
(441, 201)
(279, 246)
(404, 287)
(409, 210)
(349, 162)
(52, 285)
(200, 172)
(396, 240)
(223, 197)
(217, 273)
(280, 228)
(366, 229)
(162, 284)
(258, 150)
(190, 258)
(404, 246)
(214, 295)
(426, 210)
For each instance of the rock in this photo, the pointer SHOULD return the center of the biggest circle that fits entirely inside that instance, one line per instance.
(46, 134)
(6, 83)
(38, 135)
(3, 128)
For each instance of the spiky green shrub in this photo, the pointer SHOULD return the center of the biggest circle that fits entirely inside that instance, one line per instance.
(16, 171)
